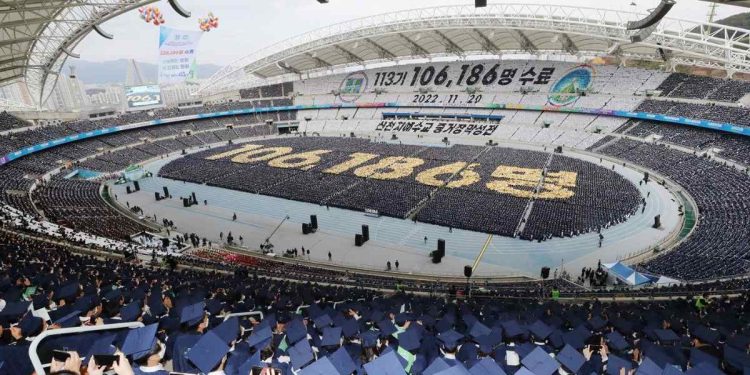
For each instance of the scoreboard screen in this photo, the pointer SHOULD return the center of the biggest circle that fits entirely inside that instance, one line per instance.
(143, 96)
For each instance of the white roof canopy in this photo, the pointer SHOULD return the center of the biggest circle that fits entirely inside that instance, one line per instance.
(497, 29)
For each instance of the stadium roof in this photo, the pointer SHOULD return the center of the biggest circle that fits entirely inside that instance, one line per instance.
(37, 36)
(497, 29)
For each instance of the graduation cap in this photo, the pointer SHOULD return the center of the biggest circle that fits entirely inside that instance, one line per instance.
(322, 321)
(571, 359)
(331, 336)
(70, 320)
(597, 323)
(214, 306)
(386, 364)
(738, 341)
(575, 339)
(648, 367)
(512, 329)
(617, 341)
(479, 329)
(295, 331)
(113, 294)
(706, 335)
(67, 292)
(130, 312)
(377, 315)
(486, 366)
(14, 310)
(207, 353)
(444, 324)
(103, 345)
(342, 362)
(228, 330)
(457, 369)
(487, 343)
(427, 320)
(350, 328)
(540, 363)
(139, 342)
(155, 305)
(540, 330)
(322, 366)
(301, 354)
(386, 328)
(86, 303)
(247, 366)
(370, 339)
(615, 363)
(699, 356)
(410, 340)
(436, 366)
(403, 317)
(556, 339)
(704, 369)
(30, 326)
(450, 339)
(40, 300)
(259, 336)
(666, 335)
(192, 314)
(672, 370)
(468, 353)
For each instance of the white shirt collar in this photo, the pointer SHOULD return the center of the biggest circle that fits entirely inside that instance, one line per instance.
(148, 369)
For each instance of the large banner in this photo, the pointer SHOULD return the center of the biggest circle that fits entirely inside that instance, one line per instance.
(177, 49)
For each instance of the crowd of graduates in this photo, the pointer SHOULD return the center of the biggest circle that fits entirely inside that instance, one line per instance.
(308, 328)
(718, 246)
(594, 199)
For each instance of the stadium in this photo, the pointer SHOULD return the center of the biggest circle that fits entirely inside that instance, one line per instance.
(504, 188)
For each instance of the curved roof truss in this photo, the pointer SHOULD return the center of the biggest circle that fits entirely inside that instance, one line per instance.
(37, 36)
(496, 29)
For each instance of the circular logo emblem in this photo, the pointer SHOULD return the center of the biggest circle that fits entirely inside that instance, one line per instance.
(353, 86)
(565, 90)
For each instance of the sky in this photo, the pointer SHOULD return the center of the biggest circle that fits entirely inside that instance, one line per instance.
(249, 25)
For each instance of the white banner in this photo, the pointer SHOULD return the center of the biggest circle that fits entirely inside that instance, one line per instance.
(177, 49)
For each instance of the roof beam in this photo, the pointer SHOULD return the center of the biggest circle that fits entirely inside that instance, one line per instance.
(449, 45)
(318, 61)
(16, 41)
(13, 59)
(287, 68)
(526, 43)
(487, 44)
(382, 51)
(25, 22)
(568, 45)
(350, 55)
(416, 49)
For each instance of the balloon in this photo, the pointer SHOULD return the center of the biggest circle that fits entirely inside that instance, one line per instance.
(208, 23)
(151, 15)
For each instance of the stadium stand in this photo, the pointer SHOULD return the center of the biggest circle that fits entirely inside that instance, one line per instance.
(306, 325)
(8, 121)
(503, 148)
(719, 246)
(681, 85)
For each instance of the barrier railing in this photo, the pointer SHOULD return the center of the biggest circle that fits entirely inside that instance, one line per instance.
(37, 363)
